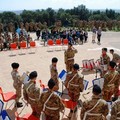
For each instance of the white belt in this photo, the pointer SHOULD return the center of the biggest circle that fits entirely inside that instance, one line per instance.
(32, 99)
(91, 114)
(74, 85)
(51, 108)
(94, 114)
(70, 58)
(118, 118)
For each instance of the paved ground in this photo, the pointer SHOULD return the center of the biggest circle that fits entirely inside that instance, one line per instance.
(42, 59)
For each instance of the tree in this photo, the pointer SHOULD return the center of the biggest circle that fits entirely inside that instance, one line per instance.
(51, 13)
(27, 16)
(110, 14)
(8, 17)
(101, 16)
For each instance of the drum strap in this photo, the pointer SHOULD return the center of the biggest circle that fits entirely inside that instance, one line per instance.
(112, 78)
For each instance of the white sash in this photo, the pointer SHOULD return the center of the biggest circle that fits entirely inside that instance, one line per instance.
(50, 108)
(92, 114)
(112, 78)
(27, 92)
(71, 80)
(118, 118)
(70, 58)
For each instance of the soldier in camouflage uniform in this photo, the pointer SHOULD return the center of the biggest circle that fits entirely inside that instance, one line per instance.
(1, 28)
(27, 26)
(11, 27)
(74, 83)
(69, 57)
(115, 111)
(1, 42)
(95, 108)
(32, 94)
(111, 83)
(116, 57)
(15, 37)
(17, 84)
(53, 71)
(104, 61)
(50, 103)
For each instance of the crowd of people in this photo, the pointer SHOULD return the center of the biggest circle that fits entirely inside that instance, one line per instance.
(7, 38)
(74, 36)
(50, 104)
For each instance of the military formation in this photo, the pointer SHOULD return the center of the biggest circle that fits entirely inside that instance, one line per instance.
(48, 104)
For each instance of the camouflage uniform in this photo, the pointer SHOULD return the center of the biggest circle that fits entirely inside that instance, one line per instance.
(111, 84)
(74, 84)
(32, 95)
(116, 57)
(54, 74)
(69, 58)
(115, 112)
(97, 107)
(22, 38)
(17, 84)
(21, 25)
(1, 43)
(1, 28)
(51, 105)
(104, 60)
(27, 26)
(11, 27)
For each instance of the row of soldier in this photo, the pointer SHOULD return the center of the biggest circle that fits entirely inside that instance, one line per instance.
(6, 39)
(51, 104)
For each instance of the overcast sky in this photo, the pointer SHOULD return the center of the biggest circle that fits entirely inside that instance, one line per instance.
(56, 4)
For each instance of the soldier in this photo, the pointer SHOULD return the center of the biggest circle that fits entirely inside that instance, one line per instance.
(74, 84)
(50, 103)
(104, 61)
(1, 28)
(27, 26)
(32, 94)
(93, 34)
(1, 42)
(116, 57)
(53, 71)
(69, 57)
(95, 108)
(99, 33)
(17, 84)
(115, 111)
(111, 83)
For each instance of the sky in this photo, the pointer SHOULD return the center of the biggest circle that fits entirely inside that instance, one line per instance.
(56, 4)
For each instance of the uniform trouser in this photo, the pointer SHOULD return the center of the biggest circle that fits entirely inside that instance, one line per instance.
(56, 81)
(35, 112)
(18, 92)
(98, 37)
(55, 117)
(107, 95)
(69, 65)
(116, 92)
(74, 97)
